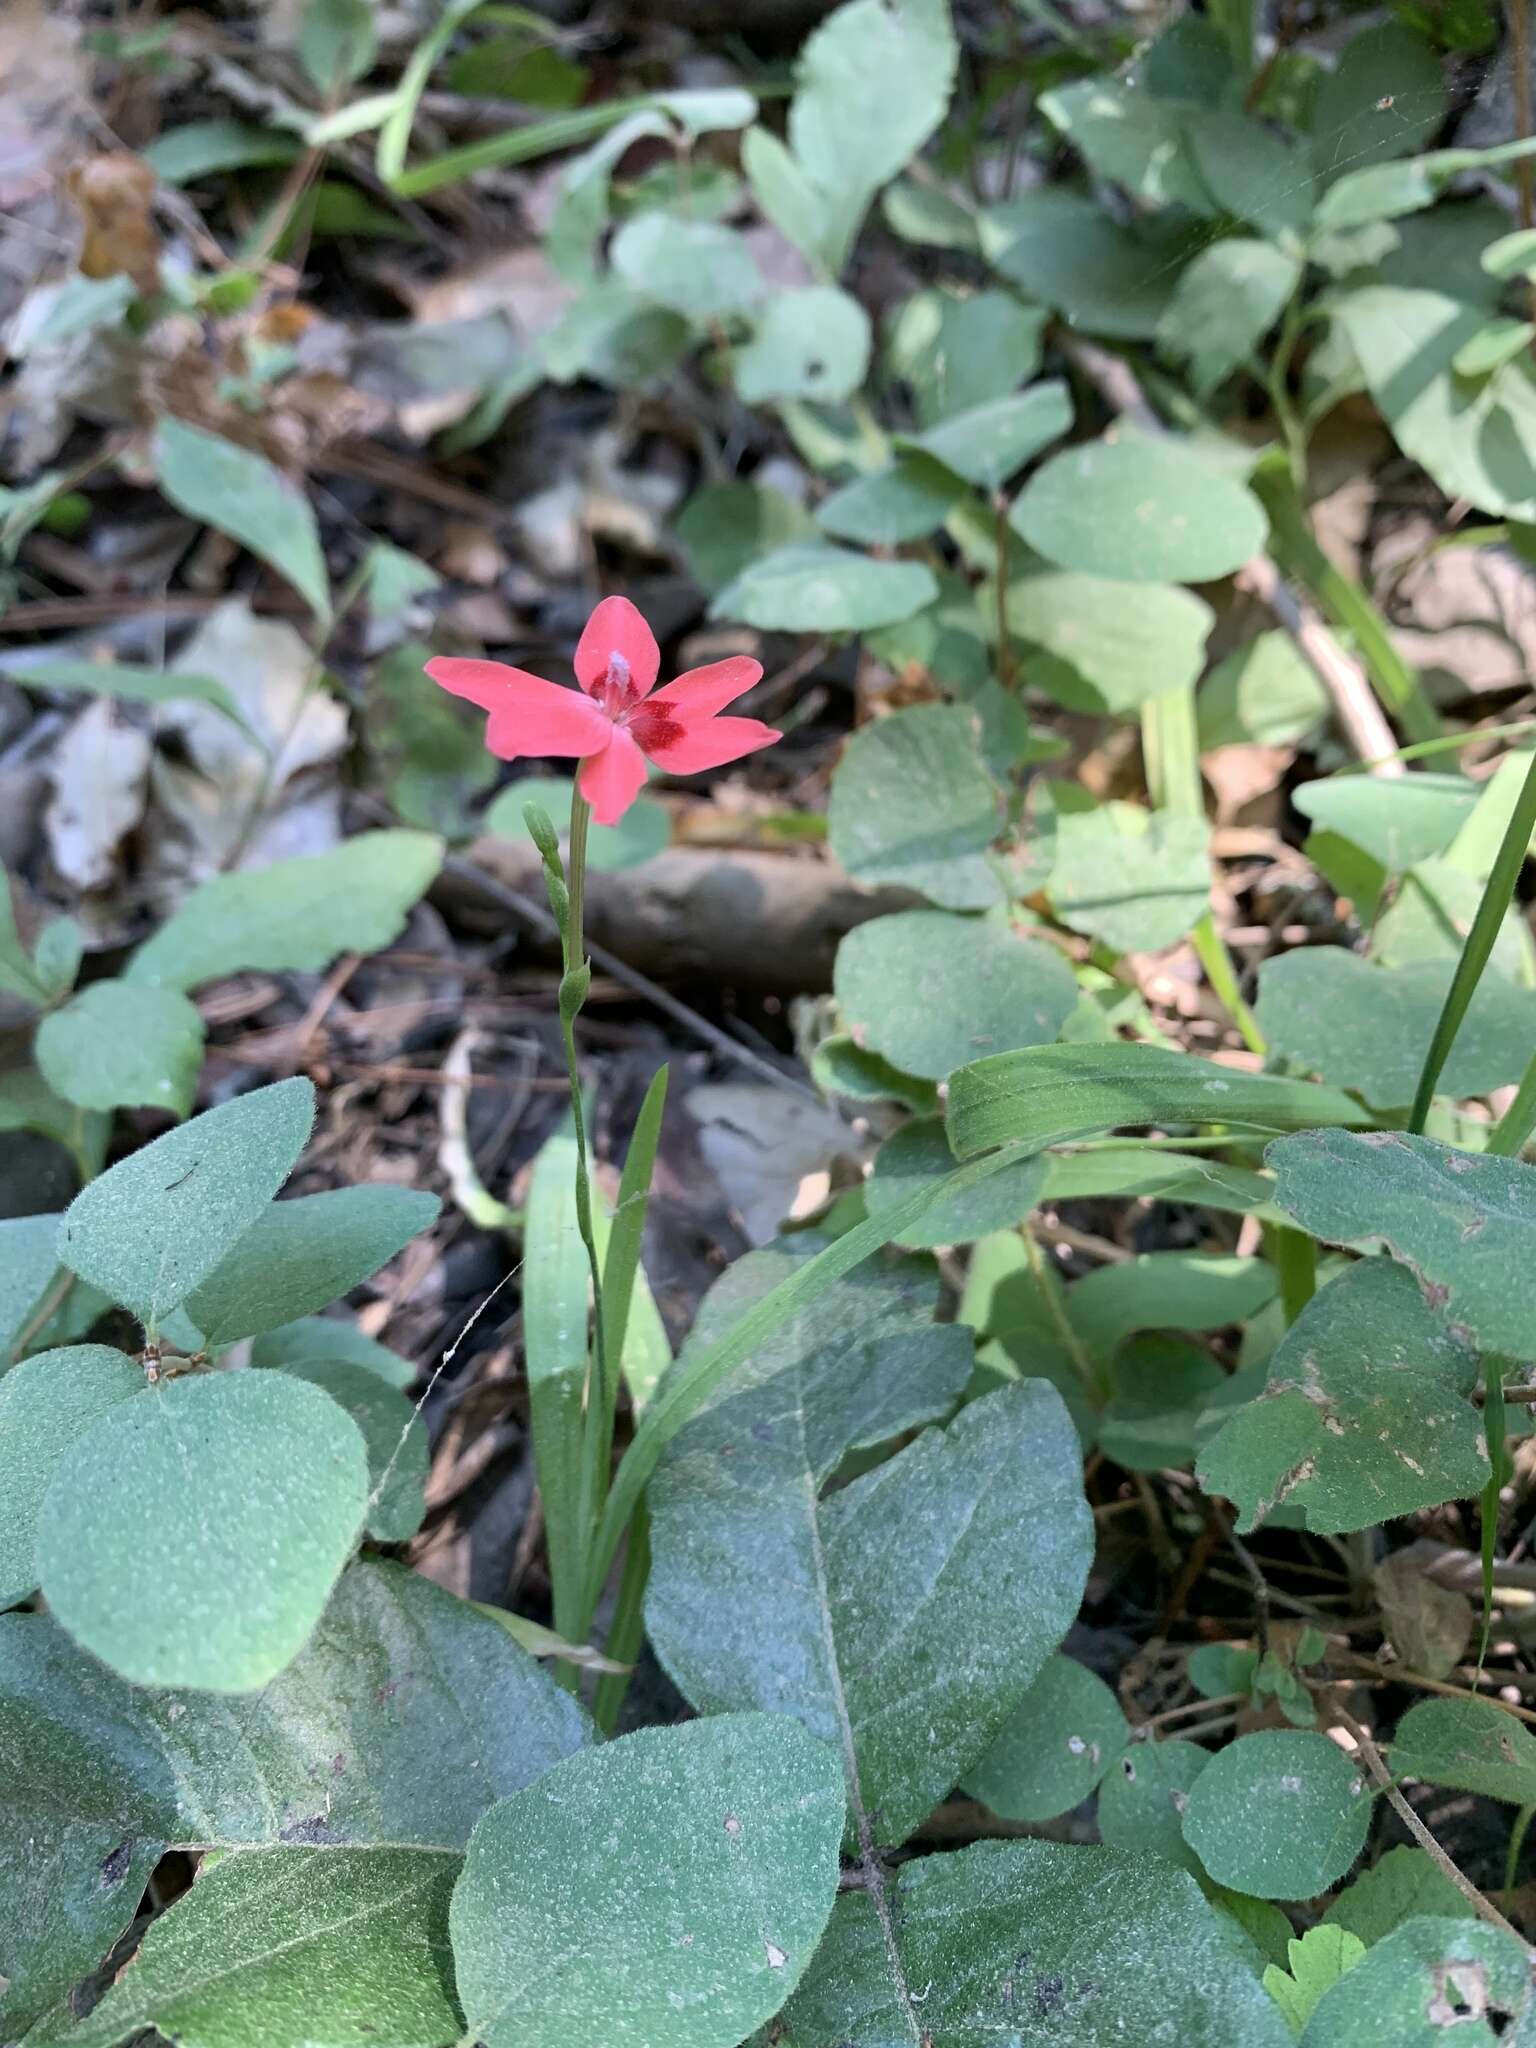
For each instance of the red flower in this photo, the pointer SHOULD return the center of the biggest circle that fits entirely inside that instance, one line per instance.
(614, 723)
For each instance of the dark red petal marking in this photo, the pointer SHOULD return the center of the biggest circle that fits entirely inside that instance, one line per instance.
(654, 726)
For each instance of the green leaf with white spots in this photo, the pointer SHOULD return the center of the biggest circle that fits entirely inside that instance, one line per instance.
(685, 1871)
(1054, 1747)
(287, 1948)
(901, 1617)
(1470, 1745)
(153, 1227)
(1143, 1797)
(1281, 1814)
(193, 1536)
(901, 503)
(404, 1718)
(931, 992)
(1036, 1943)
(1464, 1224)
(913, 804)
(29, 1264)
(1402, 1884)
(989, 443)
(1363, 1416)
(1427, 1981)
(302, 1254)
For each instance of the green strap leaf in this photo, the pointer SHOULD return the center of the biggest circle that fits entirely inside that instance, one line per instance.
(1046, 1095)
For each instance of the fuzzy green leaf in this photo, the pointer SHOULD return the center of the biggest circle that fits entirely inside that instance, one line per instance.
(302, 1254)
(193, 1536)
(294, 916)
(931, 992)
(157, 1224)
(675, 1882)
(1281, 1814)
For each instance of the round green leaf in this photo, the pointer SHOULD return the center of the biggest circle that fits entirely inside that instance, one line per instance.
(912, 804)
(640, 834)
(724, 527)
(1399, 820)
(669, 1886)
(812, 343)
(1472, 1745)
(47, 1404)
(1136, 880)
(806, 588)
(902, 502)
(693, 267)
(194, 1538)
(987, 443)
(919, 1154)
(1281, 1814)
(1141, 511)
(1054, 1747)
(1368, 1028)
(1143, 1797)
(1102, 647)
(118, 1045)
(321, 1337)
(932, 992)
(395, 1437)
(152, 1227)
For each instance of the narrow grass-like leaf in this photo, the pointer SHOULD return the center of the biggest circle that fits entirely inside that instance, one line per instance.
(1046, 1094)
(556, 1299)
(1497, 891)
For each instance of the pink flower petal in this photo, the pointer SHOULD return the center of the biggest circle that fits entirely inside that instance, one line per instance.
(528, 715)
(712, 744)
(704, 691)
(617, 628)
(610, 781)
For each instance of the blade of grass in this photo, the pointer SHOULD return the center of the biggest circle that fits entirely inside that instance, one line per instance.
(1170, 745)
(520, 145)
(1497, 892)
(622, 1259)
(395, 134)
(555, 1307)
(1515, 1126)
(1294, 547)
(628, 1629)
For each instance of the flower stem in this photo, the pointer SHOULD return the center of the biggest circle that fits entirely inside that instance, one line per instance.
(601, 1391)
